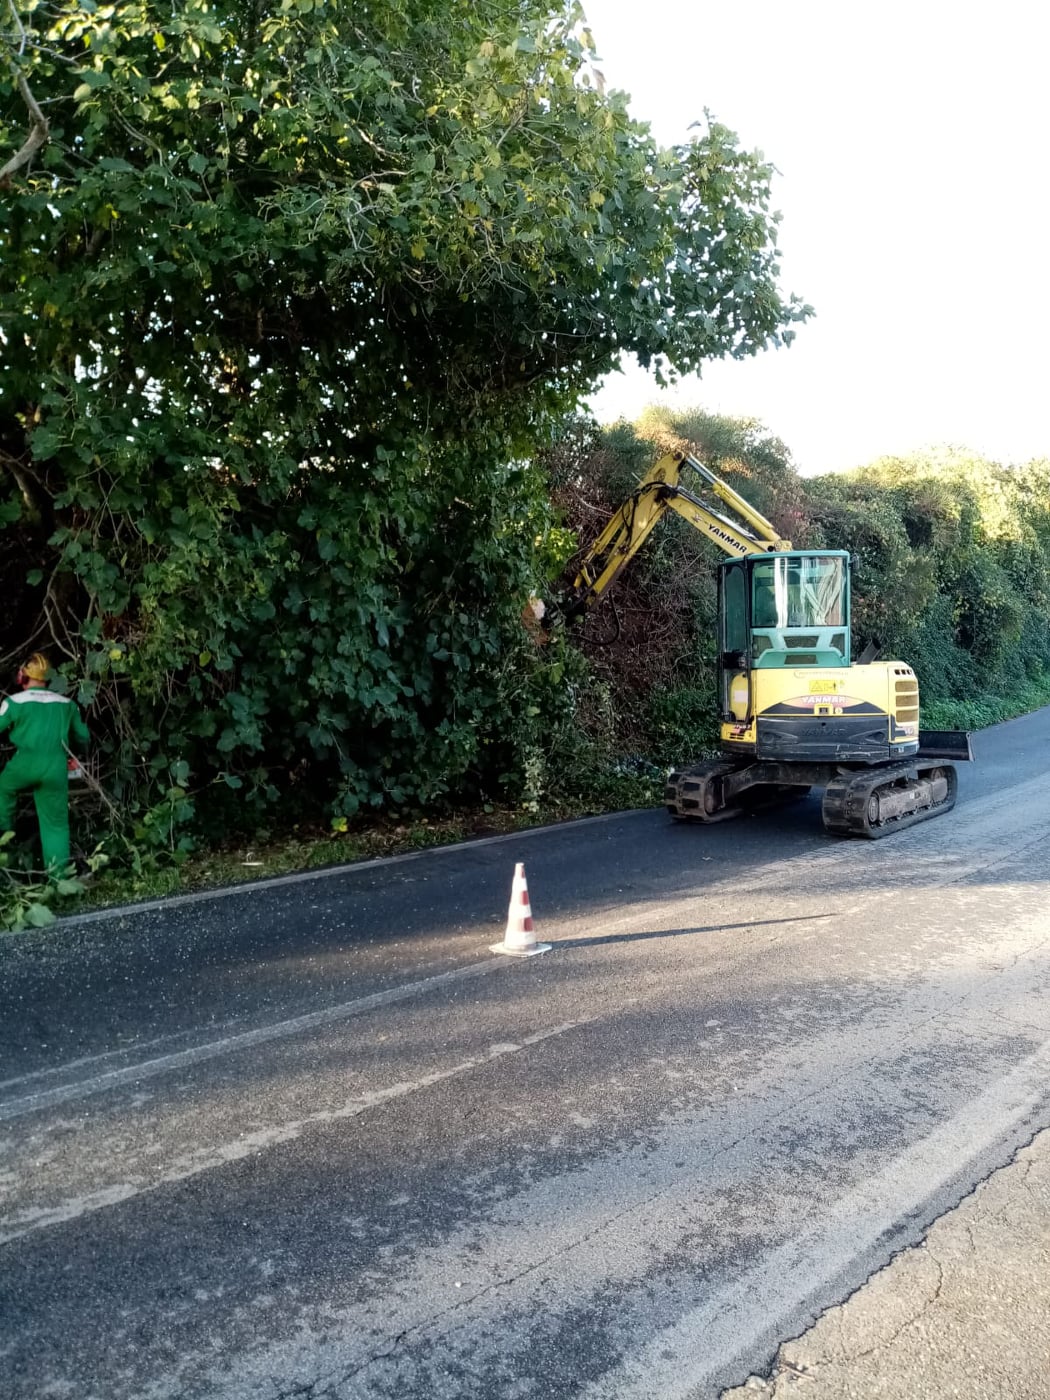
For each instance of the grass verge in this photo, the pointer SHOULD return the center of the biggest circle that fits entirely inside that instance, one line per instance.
(986, 710)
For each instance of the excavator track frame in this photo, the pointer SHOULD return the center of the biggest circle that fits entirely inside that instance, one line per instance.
(879, 801)
(869, 802)
(699, 793)
(721, 788)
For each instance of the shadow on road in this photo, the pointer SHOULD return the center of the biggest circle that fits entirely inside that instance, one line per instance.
(642, 937)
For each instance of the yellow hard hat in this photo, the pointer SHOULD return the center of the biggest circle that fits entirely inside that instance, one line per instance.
(36, 668)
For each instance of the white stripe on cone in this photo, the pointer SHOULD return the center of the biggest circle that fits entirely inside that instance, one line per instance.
(520, 940)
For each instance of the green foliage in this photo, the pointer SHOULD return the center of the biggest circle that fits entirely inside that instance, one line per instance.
(745, 454)
(27, 897)
(986, 709)
(287, 300)
(683, 722)
(951, 559)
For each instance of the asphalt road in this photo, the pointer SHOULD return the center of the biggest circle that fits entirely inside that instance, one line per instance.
(316, 1141)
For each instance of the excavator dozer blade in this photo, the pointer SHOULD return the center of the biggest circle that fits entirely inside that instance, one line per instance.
(951, 744)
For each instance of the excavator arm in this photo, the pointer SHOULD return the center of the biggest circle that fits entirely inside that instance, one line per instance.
(659, 491)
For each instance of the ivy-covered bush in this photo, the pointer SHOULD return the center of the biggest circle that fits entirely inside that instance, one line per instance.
(290, 296)
(951, 567)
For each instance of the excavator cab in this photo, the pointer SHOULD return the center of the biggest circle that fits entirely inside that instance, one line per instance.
(800, 609)
(787, 609)
(781, 610)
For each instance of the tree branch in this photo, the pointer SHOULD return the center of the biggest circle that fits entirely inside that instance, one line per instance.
(35, 496)
(39, 126)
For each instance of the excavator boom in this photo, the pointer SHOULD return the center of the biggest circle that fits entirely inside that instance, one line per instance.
(658, 492)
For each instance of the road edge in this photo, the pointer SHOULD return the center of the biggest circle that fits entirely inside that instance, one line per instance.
(326, 872)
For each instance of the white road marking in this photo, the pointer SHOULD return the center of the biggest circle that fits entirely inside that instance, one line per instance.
(196, 1054)
(939, 856)
(693, 1358)
(719, 1326)
(276, 882)
(641, 916)
(192, 1163)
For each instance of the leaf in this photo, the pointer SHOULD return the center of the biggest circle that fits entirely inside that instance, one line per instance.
(95, 77)
(38, 916)
(46, 442)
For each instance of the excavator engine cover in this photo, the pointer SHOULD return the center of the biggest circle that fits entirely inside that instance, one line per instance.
(837, 739)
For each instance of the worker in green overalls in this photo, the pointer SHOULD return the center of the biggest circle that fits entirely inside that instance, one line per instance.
(41, 723)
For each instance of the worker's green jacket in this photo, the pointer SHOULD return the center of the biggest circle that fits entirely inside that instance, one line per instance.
(41, 724)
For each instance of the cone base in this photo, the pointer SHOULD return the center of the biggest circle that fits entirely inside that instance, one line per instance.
(519, 952)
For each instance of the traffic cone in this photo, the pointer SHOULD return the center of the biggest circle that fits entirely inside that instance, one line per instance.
(520, 940)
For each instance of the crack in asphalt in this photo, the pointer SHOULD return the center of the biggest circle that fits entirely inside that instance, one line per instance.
(919, 1313)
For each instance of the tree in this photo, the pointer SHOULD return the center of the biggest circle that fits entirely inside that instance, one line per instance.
(288, 296)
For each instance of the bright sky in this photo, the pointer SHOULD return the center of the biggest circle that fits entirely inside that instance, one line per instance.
(912, 141)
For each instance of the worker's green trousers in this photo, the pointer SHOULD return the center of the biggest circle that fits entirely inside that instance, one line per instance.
(48, 780)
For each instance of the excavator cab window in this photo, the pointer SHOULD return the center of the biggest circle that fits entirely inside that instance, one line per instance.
(800, 610)
(733, 638)
(734, 611)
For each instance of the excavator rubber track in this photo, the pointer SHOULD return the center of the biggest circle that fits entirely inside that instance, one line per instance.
(699, 793)
(696, 793)
(875, 802)
(871, 802)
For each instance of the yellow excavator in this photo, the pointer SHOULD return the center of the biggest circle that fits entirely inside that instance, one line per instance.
(797, 711)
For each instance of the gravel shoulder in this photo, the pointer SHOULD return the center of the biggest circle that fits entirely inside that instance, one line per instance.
(965, 1313)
